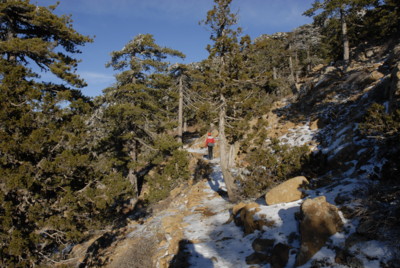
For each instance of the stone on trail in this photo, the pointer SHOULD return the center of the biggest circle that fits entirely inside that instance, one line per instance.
(243, 215)
(287, 191)
(318, 221)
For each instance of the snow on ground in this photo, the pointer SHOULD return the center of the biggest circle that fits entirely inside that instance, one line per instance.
(197, 151)
(299, 136)
(216, 243)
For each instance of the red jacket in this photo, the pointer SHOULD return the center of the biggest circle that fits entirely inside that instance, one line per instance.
(210, 139)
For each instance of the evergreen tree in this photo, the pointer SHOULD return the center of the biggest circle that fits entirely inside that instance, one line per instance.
(269, 59)
(52, 192)
(356, 20)
(140, 105)
(333, 9)
(224, 60)
(378, 22)
(307, 41)
(180, 73)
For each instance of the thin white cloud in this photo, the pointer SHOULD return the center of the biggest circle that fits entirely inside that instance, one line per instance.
(96, 78)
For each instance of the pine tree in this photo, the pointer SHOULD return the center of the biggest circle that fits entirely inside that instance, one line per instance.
(224, 59)
(378, 22)
(139, 107)
(44, 163)
(180, 73)
(349, 15)
(333, 9)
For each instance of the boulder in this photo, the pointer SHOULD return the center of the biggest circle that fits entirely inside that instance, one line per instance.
(243, 215)
(279, 256)
(287, 191)
(314, 124)
(375, 76)
(318, 221)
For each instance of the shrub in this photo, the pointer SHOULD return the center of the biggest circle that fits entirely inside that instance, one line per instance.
(168, 175)
(272, 165)
(203, 170)
(380, 125)
(384, 128)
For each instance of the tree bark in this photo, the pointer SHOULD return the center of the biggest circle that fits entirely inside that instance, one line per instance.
(274, 73)
(228, 178)
(231, 155)
(296, 64)
(291, 64)
(180, 110)
(308, 60)
(185, 125)
(11, 35)
(134, 182)
(346, 49)
(132, 177)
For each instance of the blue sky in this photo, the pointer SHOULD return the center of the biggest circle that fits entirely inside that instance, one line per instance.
(173, 23)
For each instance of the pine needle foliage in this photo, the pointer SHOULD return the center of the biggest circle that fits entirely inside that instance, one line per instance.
(172, 172)
(272, 165)
(384, 128)
(52, 191)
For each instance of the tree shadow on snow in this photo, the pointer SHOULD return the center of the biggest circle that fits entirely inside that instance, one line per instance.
(215, 181)
(186, 252)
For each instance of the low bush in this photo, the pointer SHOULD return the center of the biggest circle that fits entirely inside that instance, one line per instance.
(271, 165)
(167, 176)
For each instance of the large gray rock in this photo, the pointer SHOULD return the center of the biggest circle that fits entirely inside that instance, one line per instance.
(318, 221)
(287, 191)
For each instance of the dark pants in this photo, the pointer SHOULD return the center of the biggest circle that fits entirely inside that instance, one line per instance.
(210, 152)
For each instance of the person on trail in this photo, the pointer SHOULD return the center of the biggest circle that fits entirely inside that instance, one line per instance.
(210, 142)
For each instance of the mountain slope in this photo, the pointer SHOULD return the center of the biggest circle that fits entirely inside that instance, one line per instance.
(197, 227)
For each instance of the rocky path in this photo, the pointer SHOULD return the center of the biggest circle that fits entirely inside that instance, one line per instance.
(212, 242)
(191, 231)
(195, 227)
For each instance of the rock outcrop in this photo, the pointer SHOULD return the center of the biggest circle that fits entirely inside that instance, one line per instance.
(318, 221)
(287, 191)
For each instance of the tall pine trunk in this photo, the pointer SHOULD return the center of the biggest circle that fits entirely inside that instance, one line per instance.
(346, 49)
(308, 60)
(180, 110)
(132, 177)
(291, 65)
(228, 178)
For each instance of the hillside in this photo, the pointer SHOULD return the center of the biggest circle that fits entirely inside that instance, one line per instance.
(198, 227)
(306, 160)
